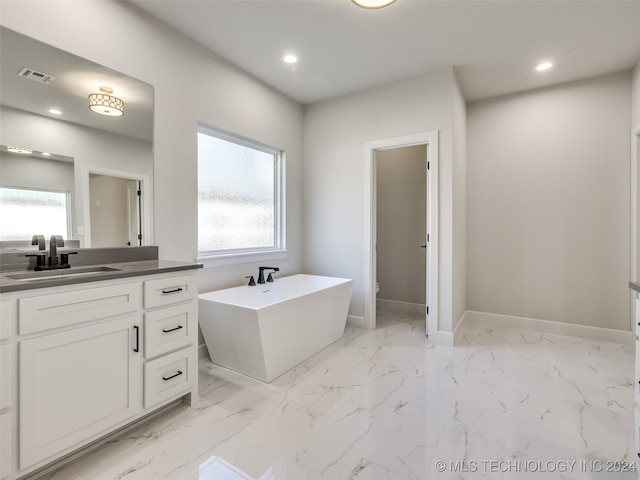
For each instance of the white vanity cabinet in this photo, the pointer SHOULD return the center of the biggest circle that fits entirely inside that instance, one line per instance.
(82, 361)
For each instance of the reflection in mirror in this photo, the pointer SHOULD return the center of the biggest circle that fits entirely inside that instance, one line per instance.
(45, 110)
(35, 194)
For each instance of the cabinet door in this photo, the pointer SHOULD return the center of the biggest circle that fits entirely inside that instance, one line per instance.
(76, 385)
(636, 384)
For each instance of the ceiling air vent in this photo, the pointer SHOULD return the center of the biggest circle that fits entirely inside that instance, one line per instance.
(35, 75)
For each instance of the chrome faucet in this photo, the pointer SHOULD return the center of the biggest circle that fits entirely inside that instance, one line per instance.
(261, 274)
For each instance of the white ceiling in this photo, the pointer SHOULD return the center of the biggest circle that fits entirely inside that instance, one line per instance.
(494, 45)
(75, 79)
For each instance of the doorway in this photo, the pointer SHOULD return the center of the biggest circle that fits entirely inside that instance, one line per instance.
(401, 229)
(430, 141)
(116, 208)
(115, 211)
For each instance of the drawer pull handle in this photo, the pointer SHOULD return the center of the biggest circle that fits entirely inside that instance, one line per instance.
(172, 376)
(137, 329)
(175, 290)
(172, 329)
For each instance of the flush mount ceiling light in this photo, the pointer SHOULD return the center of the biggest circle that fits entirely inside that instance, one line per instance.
(544, 66)
(106, 104)
(19, 149)
(55, 111)
(373, 4)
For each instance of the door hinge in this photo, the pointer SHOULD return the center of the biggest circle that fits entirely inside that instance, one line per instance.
(428, 237)
(139, 193)
(427, 310)
(139, 236)
(428, 165)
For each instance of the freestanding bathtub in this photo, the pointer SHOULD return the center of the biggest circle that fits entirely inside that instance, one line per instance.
(265, 330)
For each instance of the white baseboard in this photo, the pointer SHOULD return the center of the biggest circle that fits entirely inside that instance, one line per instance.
(398, 306)
(548, 326)
(357, 322)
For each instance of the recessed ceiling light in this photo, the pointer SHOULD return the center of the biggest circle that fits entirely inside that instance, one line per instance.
(544, 66)
(46, 154)
(19, 150)
(371, 4)
(55, 111)
(290, 58)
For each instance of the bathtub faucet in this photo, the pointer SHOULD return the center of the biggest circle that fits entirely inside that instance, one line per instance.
(261, 274)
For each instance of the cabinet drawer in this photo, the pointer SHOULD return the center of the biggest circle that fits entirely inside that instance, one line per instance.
(6, 452)
(69, 308)
(6, 376)
(169, 329)
(170, 376)
(165, 291)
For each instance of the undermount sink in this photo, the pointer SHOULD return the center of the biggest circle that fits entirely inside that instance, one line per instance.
(61, 273)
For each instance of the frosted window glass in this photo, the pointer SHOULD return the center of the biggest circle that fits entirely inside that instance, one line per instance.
(24, 213)
(236, 196)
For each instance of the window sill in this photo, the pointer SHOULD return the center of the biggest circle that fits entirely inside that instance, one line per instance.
(244, 257)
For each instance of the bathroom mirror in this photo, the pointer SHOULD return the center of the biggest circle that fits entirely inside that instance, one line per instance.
(97, 168)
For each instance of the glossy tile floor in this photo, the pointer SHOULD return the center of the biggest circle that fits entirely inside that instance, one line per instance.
(384, 404)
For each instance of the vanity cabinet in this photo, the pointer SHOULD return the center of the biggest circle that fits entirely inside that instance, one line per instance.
(80, 362)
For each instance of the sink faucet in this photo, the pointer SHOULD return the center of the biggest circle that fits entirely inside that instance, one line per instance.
(54, 242)
(53, 263)
(261, 273)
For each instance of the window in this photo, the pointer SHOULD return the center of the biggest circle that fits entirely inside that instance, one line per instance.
(27, 212)
(239, 195)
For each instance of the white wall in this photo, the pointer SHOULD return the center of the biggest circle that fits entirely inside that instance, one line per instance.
(336, 132)
(18, 170)
(109, 211)
(190, 84)
(459, 238)
(401, 179)
(548, 203)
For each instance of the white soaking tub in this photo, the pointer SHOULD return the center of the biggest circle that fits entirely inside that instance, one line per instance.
(265, 330)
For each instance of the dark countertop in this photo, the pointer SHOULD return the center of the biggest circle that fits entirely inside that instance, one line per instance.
(124, 270)
(635, 286)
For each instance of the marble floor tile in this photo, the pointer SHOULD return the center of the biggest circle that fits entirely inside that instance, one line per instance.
(386, 404)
